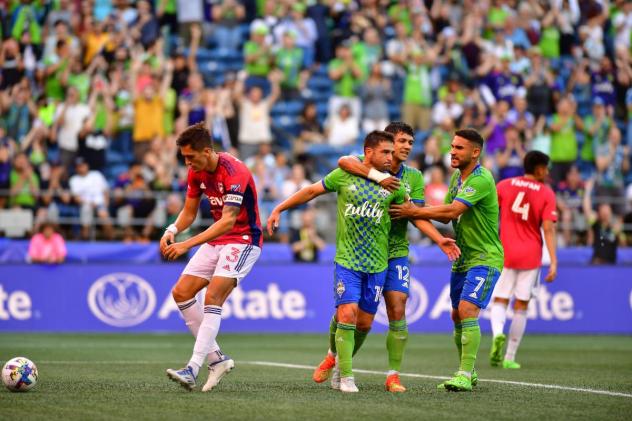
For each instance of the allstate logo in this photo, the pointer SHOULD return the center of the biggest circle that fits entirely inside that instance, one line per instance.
(121, 299)
(415, 306)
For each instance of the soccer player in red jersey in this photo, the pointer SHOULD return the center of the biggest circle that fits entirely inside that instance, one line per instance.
(526, 206)
(229, 248)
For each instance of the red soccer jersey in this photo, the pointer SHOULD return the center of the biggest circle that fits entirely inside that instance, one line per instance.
(231, 184)
(524, 204)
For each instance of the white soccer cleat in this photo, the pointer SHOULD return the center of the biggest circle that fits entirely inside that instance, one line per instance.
(347, 385)
(184, 376)
(335, 377)
(216, 371)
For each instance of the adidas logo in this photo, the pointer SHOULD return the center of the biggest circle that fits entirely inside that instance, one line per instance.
(473, 295)
(203, 186)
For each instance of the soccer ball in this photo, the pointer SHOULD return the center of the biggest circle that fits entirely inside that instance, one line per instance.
(19, 374)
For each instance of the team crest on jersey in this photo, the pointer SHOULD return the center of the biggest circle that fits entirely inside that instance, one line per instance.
(202, 186)
(340, 288)
(235, 187)
(353, 188)
(469, 191)
(220, 188)
(407, 186)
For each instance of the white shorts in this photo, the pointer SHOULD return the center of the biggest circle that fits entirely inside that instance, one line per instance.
(225, 260)
(523, 284)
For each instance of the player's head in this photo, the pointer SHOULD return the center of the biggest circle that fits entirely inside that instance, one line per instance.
(466, 148)
(196, 146)
(536, 164)
(378, 149)
(403, 138)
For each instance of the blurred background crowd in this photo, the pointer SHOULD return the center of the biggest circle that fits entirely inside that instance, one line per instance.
(93, 93)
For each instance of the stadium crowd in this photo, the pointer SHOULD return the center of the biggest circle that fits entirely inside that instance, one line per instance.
(93, 93)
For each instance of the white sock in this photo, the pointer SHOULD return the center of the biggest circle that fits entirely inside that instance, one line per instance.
(192, 313)
(207, 333)
(516, 331)
(391, 372)
(498, 317)
(330, 352)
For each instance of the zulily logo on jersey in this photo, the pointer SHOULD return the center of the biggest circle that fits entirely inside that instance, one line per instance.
(366, 210)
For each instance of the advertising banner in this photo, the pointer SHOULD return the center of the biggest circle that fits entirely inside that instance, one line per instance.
(282, 298)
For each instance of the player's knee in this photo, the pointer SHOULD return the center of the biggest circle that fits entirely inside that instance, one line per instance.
(396, 312)
(347, 314)
(180, 294)
(521, 305)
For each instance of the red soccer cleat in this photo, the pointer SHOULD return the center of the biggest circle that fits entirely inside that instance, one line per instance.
(323, 371)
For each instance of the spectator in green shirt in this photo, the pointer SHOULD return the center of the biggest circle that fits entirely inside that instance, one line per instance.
(417, 103)
(347, 74)
(289, 60)
(258, 59)
(563, 138)
(24, 183)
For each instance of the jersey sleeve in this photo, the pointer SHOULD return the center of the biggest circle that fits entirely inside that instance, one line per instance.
(193, 186)
(333, 180)
(473, 190)
(417, 188)
(235, 185)
(549, 212)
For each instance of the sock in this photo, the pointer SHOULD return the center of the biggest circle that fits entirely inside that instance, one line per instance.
(345, 342)
(396, 339)
(516, 331)
(458, 332)
(470, 341)
(358, 339)
(333, 326)
(192, 313)
(206, 336)
(498, 317)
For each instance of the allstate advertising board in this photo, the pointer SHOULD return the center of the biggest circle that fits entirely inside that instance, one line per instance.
(282, 298)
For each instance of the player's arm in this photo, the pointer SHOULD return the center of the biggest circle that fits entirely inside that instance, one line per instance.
(183, 221)
(353, 165)
(302, 196)
(441, 213)
(548, 227)
(447, 245)
(219, 228)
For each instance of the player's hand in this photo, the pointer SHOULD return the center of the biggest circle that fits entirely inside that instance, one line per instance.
(449, 247)
(273, 222)
(391, 183)
(402, 211)
(550, 277)
(167, 238)
(175, 250)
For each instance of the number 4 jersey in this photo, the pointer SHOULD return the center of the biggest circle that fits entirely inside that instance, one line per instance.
(524, 204)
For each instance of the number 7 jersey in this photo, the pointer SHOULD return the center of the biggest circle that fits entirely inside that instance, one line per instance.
(524, 204)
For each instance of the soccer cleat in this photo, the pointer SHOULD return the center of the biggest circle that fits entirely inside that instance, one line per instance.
(347, 385)
(216, 371)
(510, 364)
(474, 380)
(323, 371)
(184, 376)
(393, 384)
(496, 353)
(458, 383)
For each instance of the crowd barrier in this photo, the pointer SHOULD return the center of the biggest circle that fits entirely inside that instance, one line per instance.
(282, 298)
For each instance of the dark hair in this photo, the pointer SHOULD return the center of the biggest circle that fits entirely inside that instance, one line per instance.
(534, 159)
(471, 135)
(197, 136)
(395, 127)
(375, 137)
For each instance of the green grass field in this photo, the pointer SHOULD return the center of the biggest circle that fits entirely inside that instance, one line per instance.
(90, 377)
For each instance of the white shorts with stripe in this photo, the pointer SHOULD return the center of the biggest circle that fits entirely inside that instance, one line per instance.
(523, 284)
(225, 260)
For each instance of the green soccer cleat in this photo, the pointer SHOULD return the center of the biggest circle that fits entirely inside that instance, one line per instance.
(510, 364)
(496, 354)
(458, 383)
(474, 380)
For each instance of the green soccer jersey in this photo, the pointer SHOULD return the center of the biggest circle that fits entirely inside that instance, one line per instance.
(477, 228)
(363, 223)
(412, 181)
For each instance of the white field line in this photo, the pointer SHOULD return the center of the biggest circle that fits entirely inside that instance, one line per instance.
(415, 375)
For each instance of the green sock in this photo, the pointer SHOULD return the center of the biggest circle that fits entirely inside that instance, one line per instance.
(396, 339)
(333, 325)
(345, 340)
(458, 331)
(471, 339)
(358, 339)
